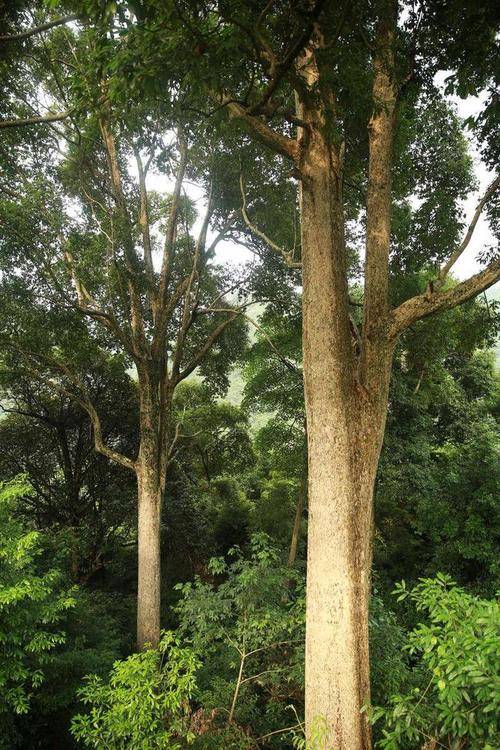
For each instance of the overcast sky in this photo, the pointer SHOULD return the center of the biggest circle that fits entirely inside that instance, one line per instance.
(465, 267)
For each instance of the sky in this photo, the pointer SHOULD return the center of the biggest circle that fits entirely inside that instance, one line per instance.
(466, 266)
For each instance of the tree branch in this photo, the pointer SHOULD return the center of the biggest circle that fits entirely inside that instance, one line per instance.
(432, 302)
(57, 116)
(281, 67)
(288, 364)
(85, 403)
(189, 306)
(100, 446)
(94, 311)
(126, 235)
(445, 269)
(378, 204)
(271, 138)
(37, 29)
(210, 341)
(288, 256)
(144, 216)
(164, 304)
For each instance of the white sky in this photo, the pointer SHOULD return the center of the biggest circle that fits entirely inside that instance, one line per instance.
(466, 266)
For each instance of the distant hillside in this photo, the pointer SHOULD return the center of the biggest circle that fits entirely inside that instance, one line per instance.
(235, 396)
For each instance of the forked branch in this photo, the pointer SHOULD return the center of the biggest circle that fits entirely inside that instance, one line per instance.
(431, 302)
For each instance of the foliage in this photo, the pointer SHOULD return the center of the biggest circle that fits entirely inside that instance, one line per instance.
(144, 704)
(32, 606)
(436, 505)
(250, 629)
(458, 701)
(81, 497)
(78, 294)
(275, 507)
(215, 440)
(97, 634)
(249, 625)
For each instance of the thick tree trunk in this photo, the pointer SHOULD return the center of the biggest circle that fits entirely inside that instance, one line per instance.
(344, 437)
(148, 552)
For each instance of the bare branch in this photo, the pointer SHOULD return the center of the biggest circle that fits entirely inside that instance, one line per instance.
(445, 269)
(279, 731)
(266, 671)
(55, 117)
(287, 255)
(172, 450)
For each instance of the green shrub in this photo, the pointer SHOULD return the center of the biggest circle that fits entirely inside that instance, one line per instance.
(32, 606)
(95, 638)
(145, 703)
(457, 704)
(249, 625)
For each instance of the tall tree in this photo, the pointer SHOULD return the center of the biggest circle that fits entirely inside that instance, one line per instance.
(94, 263)
(329, 89)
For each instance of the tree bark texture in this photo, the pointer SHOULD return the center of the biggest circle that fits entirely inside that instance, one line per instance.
(151, 474)
(345, 429)
(149, 559)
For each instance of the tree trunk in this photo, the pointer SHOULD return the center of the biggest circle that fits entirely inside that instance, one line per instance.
(148, 552)
(297, 523)
(345, 431)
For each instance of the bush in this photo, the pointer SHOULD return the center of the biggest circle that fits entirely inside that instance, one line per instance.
(145, 703)
(95, 639)
(32, 606)
(249, 626)
(457, 704)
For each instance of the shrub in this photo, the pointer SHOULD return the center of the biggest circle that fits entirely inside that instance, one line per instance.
(458, 702)
(32, 606)
(249, 625)
(145, 703)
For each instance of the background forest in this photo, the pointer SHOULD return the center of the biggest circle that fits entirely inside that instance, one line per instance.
(151, 358)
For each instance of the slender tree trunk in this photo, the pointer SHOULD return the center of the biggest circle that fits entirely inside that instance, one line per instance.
(345, 431)
(148, 551)
(297, 523)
